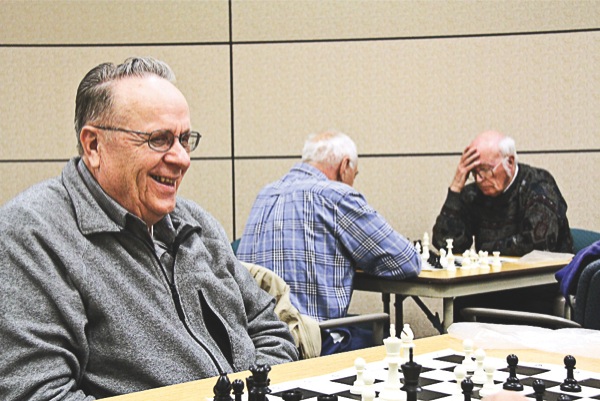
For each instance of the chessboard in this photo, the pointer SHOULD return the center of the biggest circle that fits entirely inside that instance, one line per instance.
(438, 381)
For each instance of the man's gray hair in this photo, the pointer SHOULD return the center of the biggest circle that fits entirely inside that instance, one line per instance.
(507, 148)
(95, 97)
(330, 148)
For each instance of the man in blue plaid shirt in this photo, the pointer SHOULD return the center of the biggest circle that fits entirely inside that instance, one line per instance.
(313, 229)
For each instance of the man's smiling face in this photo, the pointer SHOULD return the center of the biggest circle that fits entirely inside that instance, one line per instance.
(142, 180)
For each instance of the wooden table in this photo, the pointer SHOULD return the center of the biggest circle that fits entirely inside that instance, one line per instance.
(448, 284)
(201, 389)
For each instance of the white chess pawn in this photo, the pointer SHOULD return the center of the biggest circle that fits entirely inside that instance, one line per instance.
(407, 336)
(496, 264)
(466, 260)
(489, 387)
(479, 375)
(443, 258)
(484, 263)
(368, 390)
(459, 373)
(468, 362)
(360, 366)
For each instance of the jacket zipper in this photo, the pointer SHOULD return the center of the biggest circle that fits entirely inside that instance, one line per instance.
(175, 293)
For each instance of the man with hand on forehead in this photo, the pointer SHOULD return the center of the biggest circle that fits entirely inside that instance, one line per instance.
(510, 207)
(110, 283)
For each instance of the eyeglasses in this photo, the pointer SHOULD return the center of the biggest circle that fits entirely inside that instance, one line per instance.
(162, 140)
(485, 172)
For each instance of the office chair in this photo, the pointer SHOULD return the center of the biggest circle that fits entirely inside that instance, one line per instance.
(306, 330)
(583, 238)
(586, 309)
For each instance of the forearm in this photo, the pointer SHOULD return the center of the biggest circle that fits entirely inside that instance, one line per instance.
(271, 337)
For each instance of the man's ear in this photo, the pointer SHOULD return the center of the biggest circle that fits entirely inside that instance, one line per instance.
(343, 169)
(89, 143)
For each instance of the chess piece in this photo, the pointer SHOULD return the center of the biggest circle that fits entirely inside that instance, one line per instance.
(222, 389)
(539, 388)
(391, 388)
(468, 362)
(249, 386)
(406, 338)
(512, 383)
(466, 386)
(368, 392)
(238, 389)
(327, 397)
(261, 382)
(425, 253)
(392, 345)
(450, 255)
(570, 384)
(489, 387)
(292, 395)
(466, 260)
(459, 373)
(411, 371)
(443, 259)
(496, 264)
(357, 386)
(479, 375)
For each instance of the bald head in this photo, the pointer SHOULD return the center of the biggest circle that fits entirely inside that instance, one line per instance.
(495, 149)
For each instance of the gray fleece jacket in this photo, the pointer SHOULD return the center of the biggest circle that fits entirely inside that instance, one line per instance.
(89, 312)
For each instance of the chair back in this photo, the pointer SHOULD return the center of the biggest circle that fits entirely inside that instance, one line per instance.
(583, 238)
(587, 300)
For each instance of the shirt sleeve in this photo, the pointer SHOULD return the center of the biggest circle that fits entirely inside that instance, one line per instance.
(372, 244)
(42, 324)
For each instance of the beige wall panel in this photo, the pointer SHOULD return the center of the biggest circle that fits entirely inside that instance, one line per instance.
(332, 19)
(208, 183)
(419, 96)
(111, 21)
(250, 177)
(20, 176)
(577, 176)
(39, 85)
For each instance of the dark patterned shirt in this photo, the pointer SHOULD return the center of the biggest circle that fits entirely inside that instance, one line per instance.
(530, 215)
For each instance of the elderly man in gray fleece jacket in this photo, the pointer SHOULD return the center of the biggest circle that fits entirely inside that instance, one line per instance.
(109, 282)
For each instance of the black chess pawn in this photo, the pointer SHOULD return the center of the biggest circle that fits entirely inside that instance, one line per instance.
(260, 386)
(327, 397)
(292, 395)
(467, 388)
(238, 389)
(512, 383)
(222, 389)
(564, 397)
(570, 384)
(411, 371)
(539, 388)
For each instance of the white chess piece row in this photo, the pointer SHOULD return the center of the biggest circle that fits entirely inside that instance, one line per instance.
(482, 370)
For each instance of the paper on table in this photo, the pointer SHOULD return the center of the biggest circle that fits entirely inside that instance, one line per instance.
(582, 342)
(544, 256)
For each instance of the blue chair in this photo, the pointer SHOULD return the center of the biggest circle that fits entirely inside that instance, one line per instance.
(583, 238)
(235, 244)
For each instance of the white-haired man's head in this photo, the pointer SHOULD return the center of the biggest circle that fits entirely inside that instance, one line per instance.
(334, 153)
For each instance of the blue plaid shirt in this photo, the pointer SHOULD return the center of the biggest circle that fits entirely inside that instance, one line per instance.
(313, 232)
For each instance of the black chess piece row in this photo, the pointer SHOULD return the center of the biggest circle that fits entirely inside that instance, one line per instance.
(257, 386)
(569, 385)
